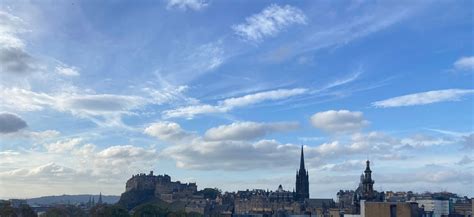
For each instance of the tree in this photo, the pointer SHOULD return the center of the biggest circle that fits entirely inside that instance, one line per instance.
(7, 210)
(210, 193)
(64, 211)
(108, 211)
(26, 211)
(150, 210)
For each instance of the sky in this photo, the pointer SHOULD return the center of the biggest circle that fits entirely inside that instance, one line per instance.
(225, 93)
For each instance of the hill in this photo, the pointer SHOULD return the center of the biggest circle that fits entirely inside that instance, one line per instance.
(71, 199)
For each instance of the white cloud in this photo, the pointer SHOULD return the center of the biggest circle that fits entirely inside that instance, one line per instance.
(187, 4)
(63, 145)
(167, 131)
(347, 165)
(464, 63)
(82, 165)
(247, 130)
(420, 140)
(110, 107)
(169, 94)
(68, 71)
(331, 148)
(339, 121)
(10, 27)
(47, 171)
(231, 103)
(232, 155)
(272, 20)
(424, 98)
(125, 153)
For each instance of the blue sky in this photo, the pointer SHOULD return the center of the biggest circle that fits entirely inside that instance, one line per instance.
(223, 93)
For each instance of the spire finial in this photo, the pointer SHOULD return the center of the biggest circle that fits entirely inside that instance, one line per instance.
(302, 168)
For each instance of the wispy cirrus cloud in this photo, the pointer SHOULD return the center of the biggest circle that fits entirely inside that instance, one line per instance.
(424, 98)
(231, 103)
(269, 22)
(110, 107)
(187, 4)
(67, 71)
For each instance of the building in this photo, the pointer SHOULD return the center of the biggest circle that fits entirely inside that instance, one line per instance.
(162, 186)
(302, 181)
(349, 201)
(390, 209)
(438, 208)
(462, 208)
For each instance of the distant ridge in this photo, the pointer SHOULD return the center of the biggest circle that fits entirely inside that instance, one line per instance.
(72, 199)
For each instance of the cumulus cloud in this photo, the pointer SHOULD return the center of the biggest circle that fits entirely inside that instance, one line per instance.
(167, 131)
(232, 147)
(269, 22)
(424, 98)
(187, 4)
(50, 171)
(247, 130)
(63, 145)
(231, 103)
(124, 154)
(339, 121)
(232, 155)
(10, 123)
(464, 63)
(70, 160)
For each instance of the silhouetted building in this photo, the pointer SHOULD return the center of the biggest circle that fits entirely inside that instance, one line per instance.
(302, 181)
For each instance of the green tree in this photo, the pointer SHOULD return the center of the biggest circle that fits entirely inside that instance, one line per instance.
(210, 193)
(108, 211)
(26, 211)
(64, 211)
(150, 210)
(6, 210)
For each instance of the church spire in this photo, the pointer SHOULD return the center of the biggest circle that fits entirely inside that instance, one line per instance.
(367, 168)
(302, 180)
(100, 198)
(302, 160)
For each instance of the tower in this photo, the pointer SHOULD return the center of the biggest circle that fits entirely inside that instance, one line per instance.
(100, 198)
(367, 182)
(302, 180)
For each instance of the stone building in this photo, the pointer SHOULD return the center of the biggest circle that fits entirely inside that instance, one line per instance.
(161, 187)
(390, 209)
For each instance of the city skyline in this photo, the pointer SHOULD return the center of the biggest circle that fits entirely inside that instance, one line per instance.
(226, 93)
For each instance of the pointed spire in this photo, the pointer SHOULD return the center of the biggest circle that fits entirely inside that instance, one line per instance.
(367, 168)
(302, 160)
(100, 198)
